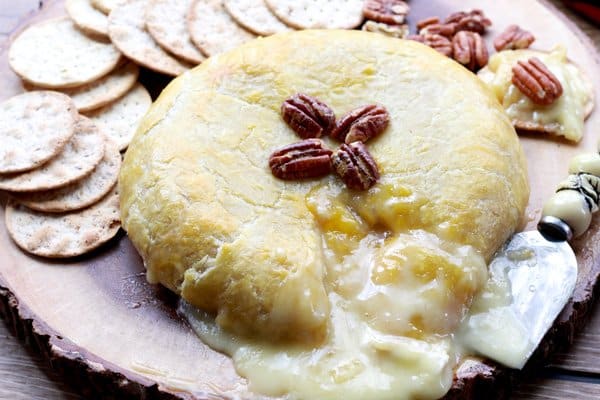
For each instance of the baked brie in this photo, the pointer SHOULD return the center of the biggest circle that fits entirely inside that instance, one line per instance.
(315, 290)
(564, 117)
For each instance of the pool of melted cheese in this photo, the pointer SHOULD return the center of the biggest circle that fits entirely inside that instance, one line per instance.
(397, 304)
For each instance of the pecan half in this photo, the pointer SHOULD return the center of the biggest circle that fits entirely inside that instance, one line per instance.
(426, 22)
(470, 50)
(437, 42)
(447, 30)
(306, 159)
(307, 116)
(536, 81)
(514, 37)
(355, 165)
(361, 124)
(473, 21)
(396, 31)
(391, 12)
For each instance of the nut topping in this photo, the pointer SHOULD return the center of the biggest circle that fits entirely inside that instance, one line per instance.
(361, 124)
(514, 37)
(307, 116)
(391, 12)
(473, 21)
(438, 42)
(306, 159)
(470, 50)
(536, 81)
(447, 30)
(426, 22)
(355, 165)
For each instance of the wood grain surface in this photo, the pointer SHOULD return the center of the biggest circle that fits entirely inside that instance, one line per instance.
(574, 374)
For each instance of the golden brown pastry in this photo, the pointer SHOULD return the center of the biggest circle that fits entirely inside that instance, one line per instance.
(288, 261)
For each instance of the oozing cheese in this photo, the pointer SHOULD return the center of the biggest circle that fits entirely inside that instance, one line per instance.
(564, 117)
(397, 303)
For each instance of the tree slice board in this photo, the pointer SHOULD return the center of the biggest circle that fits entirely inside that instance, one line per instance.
(109, 331)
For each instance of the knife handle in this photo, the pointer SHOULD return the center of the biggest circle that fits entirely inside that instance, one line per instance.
(568, 213)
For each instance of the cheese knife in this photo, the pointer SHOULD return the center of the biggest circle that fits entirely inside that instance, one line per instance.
(533, 275)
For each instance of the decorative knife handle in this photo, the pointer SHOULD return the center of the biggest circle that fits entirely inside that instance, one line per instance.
(568, 213)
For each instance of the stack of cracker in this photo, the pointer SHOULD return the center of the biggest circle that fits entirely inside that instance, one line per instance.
(60, 169)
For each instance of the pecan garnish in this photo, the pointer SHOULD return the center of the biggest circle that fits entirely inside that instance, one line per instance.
(355, 165)
(470, 50)
(437, 42)
(447, 30)
(473, 21)
(361, 124)
(514, 37)
(307, 116)
(396, 31)
(426, 22)
(306, 159)
(391, 12)
(536, 81)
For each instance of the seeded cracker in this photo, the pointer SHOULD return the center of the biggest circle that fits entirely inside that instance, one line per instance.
(76, 160)
(212, 29)
(82, 193)
(317, 14)
(105, 90)
(255, 16)
(55, 54)
(106, 6)
(126, 28)
(121, 118)
(64, 235)
(34, 127)
(166, 23)
(86, 17)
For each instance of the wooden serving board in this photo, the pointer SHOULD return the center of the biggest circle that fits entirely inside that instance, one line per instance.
(98, 320)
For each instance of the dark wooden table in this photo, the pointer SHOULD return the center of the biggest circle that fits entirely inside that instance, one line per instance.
(573, 375)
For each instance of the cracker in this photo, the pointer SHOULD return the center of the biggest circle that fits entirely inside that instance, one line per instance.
(212, 29)
(318, 14)
(82, 193)
(121, 118)
(64, 235)
(105, 90)
(255, 16)
(34, 127)
(126, 28)
(87, 18)
(77, 159)
(166, 23)
(55, 54)
(106, 6)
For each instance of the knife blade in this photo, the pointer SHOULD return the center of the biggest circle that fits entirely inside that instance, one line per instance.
(533, 275)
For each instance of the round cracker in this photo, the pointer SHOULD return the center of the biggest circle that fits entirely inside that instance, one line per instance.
(64, 235)
(106, 6)
(77, 159)
(212, 29)
(34, 127)
(318, 14)
(127, 30)
(121, 118)
(165, 21)
(105, 90)
(55, 54)
(82, 193)
(255, 16)
(87, 18)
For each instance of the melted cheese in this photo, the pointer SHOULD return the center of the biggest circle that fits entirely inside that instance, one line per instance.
(564, 117)
(397, 304)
